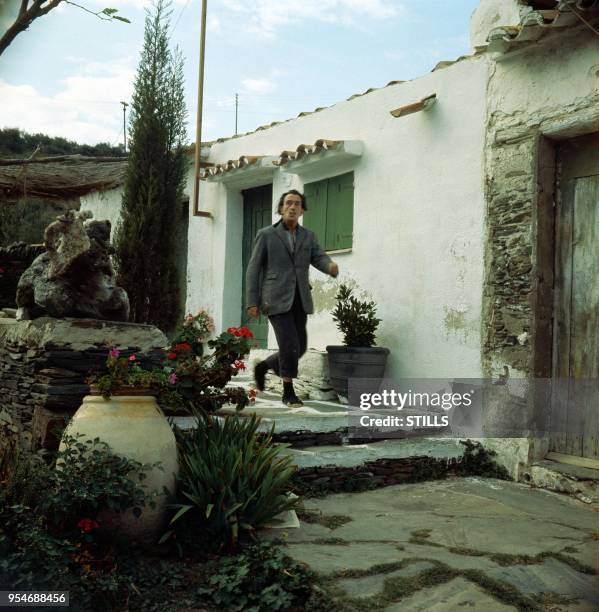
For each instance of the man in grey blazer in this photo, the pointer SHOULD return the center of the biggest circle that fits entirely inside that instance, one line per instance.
(277, 285)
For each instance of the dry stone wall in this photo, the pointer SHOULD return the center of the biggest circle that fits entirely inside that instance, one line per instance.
(44, 364)
(509, 284)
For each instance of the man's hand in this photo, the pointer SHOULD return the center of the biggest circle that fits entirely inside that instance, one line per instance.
(253, 312)
(334, 270)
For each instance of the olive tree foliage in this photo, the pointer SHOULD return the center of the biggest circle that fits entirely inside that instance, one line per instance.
(145, 239)
(22, 13)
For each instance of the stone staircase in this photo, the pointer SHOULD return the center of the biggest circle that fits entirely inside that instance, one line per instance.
(318, 434)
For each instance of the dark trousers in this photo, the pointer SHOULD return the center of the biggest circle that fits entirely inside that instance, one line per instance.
(290, 331)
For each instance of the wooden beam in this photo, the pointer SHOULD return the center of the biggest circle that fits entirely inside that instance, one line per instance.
(593, 464)
(408, 109)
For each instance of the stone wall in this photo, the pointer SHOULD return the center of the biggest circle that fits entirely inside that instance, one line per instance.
(44, 364)
(536, 98)
(509, 282)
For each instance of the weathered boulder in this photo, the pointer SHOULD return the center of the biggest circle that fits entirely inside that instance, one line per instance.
(74, 277)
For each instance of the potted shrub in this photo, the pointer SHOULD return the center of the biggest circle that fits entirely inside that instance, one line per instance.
(122, 408)
(358, 357)
(122, 412)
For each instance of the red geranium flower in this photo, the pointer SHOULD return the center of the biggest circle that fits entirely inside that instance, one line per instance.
(183, 347)
(87, 525)
(245, 332)
(239, 365)
(172, 355)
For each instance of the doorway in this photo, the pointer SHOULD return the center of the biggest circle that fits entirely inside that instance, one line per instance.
(575, 368)
(257, 213)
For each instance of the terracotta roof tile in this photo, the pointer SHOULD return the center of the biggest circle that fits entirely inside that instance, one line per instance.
(304, 150)
(537, 20)
(230, 165)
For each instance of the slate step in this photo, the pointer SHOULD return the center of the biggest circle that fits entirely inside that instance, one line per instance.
(358, 454)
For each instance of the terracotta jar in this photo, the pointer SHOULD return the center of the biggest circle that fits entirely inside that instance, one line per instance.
(134, 427)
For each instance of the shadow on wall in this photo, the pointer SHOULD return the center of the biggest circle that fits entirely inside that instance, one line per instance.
(14, 260)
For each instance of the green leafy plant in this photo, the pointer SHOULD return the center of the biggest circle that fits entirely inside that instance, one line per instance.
(123, 373)
(50, 535)
(89, 478)
(262, 577)
(355, 319)
(186, 379)
(194, 331)
(193, 382)
(231, 480)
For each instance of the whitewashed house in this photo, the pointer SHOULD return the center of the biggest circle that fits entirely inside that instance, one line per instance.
(462, 202)
(446, 199)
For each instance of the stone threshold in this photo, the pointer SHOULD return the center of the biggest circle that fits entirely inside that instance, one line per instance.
(580, 482)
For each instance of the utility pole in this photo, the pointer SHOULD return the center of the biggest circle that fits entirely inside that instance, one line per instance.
(125, 105)
(196, 183)
(236, 109)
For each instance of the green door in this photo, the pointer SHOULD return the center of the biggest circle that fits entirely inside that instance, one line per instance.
(257, 213)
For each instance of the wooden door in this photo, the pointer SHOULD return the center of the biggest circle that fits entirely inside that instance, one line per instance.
(575, 401)
(257, 213)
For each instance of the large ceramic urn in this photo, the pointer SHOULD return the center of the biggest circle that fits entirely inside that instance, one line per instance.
(135, 427)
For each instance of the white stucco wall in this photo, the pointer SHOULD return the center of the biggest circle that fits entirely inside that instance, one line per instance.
(554, 78)
(104, 205)
(418, 220)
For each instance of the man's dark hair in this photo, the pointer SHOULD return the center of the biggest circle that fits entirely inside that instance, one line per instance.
(291, 192)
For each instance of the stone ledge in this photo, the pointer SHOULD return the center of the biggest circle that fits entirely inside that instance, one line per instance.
(80, 334)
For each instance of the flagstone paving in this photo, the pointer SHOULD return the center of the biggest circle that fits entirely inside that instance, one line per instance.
(461, 543)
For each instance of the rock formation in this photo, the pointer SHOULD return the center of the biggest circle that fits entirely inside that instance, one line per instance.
(74, 277)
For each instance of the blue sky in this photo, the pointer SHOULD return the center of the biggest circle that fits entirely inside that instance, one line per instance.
(66, 75)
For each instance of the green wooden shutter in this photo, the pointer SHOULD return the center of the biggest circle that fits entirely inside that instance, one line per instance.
(315, 217)
(340, 212)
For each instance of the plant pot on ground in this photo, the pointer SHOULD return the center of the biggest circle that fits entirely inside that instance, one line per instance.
(357, 357)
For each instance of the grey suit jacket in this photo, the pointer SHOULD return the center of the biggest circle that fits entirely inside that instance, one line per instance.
(274, 269)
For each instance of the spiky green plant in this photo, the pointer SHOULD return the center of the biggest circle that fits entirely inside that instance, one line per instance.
(231, 478)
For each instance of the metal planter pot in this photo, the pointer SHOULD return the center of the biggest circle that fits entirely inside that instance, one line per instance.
(347, 362)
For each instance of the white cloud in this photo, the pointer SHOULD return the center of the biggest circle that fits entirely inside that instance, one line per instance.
(261, 86)
(86, 110)
(213, 24)
(121, 4)
(265, 17)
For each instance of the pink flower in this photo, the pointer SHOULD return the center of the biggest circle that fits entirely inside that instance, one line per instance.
(114, 353)
(172, 379)
(132, 357)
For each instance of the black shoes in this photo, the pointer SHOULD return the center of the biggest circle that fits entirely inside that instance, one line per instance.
(260, 375)
(292, 401)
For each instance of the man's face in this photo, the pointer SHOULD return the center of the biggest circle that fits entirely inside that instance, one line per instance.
(292, 209)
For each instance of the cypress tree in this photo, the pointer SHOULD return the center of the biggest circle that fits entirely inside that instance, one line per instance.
(153, 192)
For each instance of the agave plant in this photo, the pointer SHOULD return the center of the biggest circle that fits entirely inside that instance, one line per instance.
(231, 478)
